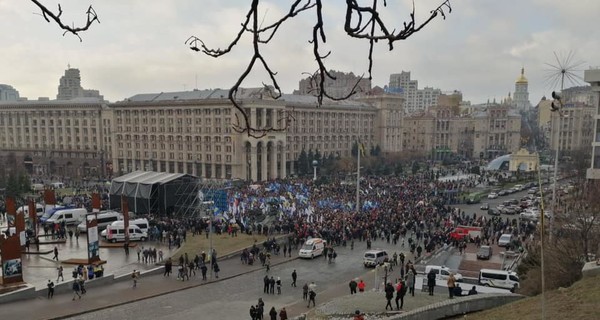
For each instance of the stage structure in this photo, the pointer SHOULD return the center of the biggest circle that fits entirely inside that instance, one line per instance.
(156, 193)
(205, 198)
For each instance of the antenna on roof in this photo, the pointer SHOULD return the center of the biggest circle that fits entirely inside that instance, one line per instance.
(196, 81)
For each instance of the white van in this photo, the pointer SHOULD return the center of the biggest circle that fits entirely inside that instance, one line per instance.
(373, 258)
(71, 216)
(117, 233)
(498, 278)
(443, 273)
(57, 185)
(141, 223)
(39, 209)
(104, 219)
(312, 248)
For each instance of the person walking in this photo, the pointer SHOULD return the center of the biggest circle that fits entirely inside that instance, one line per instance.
(272, 285)
(203, 269)
(168, 267)
(216, 268)
(278, 282)
(361, 286)
(55, 253)
(451, 284)
(75, 288)
(431, 281)
(352, 286)
(410, 282)
(50, 289)
(294, 277)
(283, 313)
(389, 294)
(273, 313)
(305, 292)
(311, 297)
(134, 276)
(60, 273)
(401, 290)
(266, 283)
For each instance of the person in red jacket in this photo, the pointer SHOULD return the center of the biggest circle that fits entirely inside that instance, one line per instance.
(361, 286)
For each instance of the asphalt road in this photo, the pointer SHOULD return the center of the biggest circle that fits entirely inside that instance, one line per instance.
(231, 299)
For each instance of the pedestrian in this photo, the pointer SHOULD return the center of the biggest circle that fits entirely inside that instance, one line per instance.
(134, 276)
(60, 273)
(81, 285)
(273, 313)
(260, 309)
(216, 268)
(168, 267)
(353, 286)
(401, 290)
(278, 285)
(389, 294)
(253, 313)
(55, 253)
(266, 284)
(75, 288)
(311, 297)
(290, 251)
(204, 269)
(305, 292)
(431, 281)
(283, 314)
(294, 277)
(50, 289)
(272, 285)
(361, 286)
(268, 264)
(410, 282)
(451, 284)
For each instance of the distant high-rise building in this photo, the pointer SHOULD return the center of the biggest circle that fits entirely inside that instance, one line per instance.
(70, 87)
(8, 93)
(342, 86)
(414, 99)
(521, 97)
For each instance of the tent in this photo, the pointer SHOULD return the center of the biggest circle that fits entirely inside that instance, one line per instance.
(151, 192)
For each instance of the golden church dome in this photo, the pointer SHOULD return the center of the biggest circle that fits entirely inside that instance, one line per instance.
(522, 78)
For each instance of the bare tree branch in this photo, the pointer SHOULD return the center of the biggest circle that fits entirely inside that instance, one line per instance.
(49, 15)
(360, 22)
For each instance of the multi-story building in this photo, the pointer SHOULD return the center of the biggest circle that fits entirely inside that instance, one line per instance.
(415, 100)
(592, 77)
(497, 131)
(8, 93)
(573, 130)
(70, 88)
(343, 85)
(56, 137)
(582, 94)
(193, 132)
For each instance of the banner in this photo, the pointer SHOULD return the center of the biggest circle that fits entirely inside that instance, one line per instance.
(96, 202)
(92, 238)
(12, 267)
(125, 209)
(11, 211)
(49, 197)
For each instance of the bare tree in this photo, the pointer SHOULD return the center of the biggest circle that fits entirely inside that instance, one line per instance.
(56, 17)
(361, 22)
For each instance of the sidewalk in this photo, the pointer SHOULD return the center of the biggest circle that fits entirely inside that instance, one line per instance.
(121, 292)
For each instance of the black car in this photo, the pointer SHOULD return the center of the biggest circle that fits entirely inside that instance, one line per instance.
(503, 192)
(484, 253)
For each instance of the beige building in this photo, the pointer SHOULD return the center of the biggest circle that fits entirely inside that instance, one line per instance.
(574, 129)
(497, 131)
(56, 137)
(341, 86)
(191, 132)
(524, 161)
(592, 77)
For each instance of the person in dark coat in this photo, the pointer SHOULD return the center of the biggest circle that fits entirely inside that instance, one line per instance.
(431, 281)
(273, 313)
(283, 313)
(353, 286)
(389, 294)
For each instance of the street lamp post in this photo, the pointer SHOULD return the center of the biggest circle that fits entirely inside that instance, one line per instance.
(315, 163)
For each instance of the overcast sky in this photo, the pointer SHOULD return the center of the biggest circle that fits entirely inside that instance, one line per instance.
(139, 45)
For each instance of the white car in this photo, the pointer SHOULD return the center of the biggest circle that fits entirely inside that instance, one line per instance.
(505, 239)
(530, 215)
(492, 195)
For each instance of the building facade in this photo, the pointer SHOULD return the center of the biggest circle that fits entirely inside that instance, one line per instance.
(497, 131)
(574, 129)
(415, 99)
(342, 86)
(521, 96)
(592, 76)
(69, 87)
(54, 137)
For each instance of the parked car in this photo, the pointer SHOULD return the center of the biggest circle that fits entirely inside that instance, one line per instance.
(485, 206)
(494, 212)
(505, 239)
(492, 195)
(484, 253)
(503, 192)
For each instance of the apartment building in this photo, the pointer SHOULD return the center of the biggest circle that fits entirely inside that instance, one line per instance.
(56, 137)
(573, 128)
(592, 76)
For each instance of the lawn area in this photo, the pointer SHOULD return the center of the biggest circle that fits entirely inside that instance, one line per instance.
(223, 243)
(579, 301)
